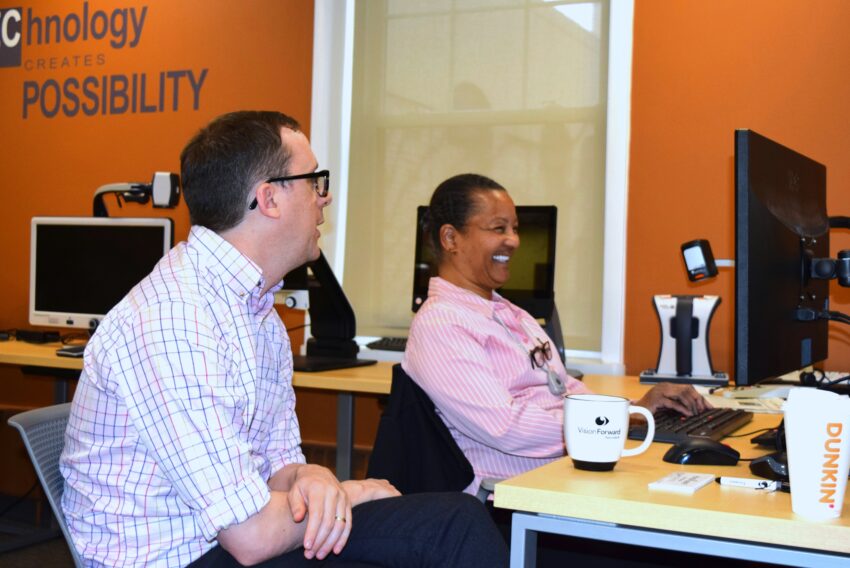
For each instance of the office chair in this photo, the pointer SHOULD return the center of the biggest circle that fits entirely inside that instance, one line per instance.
(414, 449)
(43, 432)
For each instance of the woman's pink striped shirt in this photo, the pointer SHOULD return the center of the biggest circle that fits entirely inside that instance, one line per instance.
(471, 356)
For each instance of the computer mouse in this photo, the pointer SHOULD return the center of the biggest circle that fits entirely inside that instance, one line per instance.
(701, 451)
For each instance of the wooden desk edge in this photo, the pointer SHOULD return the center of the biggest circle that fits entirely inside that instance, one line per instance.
(370, 379)
(791, 531)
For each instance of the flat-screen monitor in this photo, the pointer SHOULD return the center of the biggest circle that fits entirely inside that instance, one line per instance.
(780, 225)
(532, 282)
(80, 267)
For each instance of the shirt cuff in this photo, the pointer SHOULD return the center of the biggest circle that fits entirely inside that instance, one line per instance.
(233, 505)
(280, 461)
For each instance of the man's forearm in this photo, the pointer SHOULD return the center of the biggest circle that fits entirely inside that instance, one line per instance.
(269, 533)
(283, 478)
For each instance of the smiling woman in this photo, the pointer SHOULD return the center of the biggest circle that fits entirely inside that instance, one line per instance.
(485, 362)
(474, 231)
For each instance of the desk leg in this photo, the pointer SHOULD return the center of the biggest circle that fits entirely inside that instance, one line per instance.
(344, 434)
(60, 391)
(523, 542)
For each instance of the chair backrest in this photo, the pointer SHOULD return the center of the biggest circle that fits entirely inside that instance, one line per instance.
(414, 449)
(43, 432)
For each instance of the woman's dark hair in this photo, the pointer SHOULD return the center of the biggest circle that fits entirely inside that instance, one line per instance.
(453, 203)
(226, 159)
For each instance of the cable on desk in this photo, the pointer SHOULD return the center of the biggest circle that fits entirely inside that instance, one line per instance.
(819, 379)
(759, 431)
(76, 336)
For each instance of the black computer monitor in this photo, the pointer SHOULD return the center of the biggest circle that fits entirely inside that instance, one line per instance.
(80, 267)
(532, 282)
(780, 225)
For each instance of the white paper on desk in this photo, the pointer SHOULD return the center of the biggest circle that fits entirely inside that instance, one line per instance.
(756, 405)
(682, 482)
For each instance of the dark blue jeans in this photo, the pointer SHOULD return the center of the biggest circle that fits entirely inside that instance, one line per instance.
(426, 529)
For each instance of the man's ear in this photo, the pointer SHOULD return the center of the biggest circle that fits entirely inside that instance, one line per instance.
(447, 237)
(267, 202)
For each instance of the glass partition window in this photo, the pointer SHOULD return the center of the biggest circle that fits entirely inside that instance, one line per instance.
(512, 89)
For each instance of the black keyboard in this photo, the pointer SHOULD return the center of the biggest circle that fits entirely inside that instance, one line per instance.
(672, 427)
(388, 344)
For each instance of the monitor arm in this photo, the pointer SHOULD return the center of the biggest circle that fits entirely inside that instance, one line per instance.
(832, 268)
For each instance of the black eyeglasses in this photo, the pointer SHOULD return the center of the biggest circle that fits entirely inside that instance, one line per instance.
(540, 354)
(321, 183)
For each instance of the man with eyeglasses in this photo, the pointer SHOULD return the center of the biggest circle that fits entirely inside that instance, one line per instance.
(183, 447)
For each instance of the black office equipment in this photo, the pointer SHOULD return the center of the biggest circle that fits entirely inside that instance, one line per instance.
(388, 344)
(332, 322)
(673, 428)
(772, 466)
(765, 439)
(701, 451)
(75, 351)
(781, 225)
(80, 267)
(37, 336)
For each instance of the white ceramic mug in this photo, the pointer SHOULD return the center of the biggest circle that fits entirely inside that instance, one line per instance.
(596, 427)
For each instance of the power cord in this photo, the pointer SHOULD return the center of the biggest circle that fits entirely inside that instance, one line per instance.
(759, 431)
(818, 378)
(808, 314)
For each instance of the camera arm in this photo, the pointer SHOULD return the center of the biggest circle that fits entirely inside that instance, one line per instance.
(164, 190)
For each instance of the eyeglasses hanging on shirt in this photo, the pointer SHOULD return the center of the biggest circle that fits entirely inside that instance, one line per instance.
(540, 356)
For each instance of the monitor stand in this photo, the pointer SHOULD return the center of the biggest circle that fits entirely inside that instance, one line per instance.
(332, 323)
(317, 363)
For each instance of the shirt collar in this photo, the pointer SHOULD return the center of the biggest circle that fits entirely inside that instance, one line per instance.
(441, 288)
(239, 273)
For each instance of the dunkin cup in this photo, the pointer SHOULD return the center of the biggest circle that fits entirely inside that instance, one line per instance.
(596, 427)
(817, 436)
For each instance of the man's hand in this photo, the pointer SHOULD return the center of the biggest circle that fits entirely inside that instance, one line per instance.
(681, 398)
(362, 491)
(319, 497)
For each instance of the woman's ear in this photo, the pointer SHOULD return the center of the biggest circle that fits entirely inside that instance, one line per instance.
(447, 237)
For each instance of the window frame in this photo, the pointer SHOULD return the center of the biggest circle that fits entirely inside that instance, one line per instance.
(330, 132)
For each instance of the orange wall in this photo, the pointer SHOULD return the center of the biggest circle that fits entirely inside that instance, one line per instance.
(257, 54)
(701, 70)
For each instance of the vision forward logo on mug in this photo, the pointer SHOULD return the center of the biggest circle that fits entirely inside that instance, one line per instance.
(595, 429)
